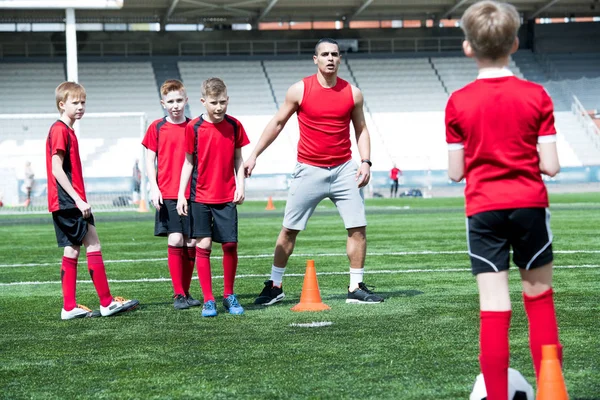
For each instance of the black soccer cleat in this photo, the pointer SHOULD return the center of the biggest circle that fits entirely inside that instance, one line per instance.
(270, 294)
(363, 295)
(180, 302)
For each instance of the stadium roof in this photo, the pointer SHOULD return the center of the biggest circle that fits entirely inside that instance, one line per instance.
(252, 11)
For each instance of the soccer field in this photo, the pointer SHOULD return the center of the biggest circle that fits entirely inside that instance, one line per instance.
(421, 343)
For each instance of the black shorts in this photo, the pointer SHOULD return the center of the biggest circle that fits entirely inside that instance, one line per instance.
(167, 220)
(217, 221)
(491, 234)
(71, 227)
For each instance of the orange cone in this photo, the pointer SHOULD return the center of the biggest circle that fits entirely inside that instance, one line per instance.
(143, 206)
(310, 299)
(551, 384)
(270, 205)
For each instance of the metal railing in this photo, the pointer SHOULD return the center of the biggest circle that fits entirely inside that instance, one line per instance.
(91, 48)
(590, 128)
(300, 47)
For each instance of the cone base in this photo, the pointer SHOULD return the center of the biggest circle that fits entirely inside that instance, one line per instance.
(311, 307)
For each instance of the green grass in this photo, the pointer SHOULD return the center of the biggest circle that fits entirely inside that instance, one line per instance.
(422, 343)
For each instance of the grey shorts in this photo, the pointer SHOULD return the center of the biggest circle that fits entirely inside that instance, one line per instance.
(312, 184)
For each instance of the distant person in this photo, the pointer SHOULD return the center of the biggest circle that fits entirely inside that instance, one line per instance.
(325, 105)
(213, 161)
(394, 173)
(72, 215)
(28, 183)
(137, 181)
(501, 138)
(165, 153)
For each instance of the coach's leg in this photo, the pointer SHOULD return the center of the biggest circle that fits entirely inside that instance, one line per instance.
(286, 241)
(356, 249)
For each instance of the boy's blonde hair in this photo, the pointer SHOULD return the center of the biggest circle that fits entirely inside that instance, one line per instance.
(491, 28)
(68, 89)
(213, 87)
(172, 85)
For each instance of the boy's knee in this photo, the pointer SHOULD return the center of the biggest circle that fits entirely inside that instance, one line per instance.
(230, 247)
(175, 239)
(71, 252)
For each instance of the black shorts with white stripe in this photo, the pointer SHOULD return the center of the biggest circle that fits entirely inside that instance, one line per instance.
(492, 234)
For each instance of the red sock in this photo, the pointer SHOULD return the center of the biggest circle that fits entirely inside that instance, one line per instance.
(543, 328)
(98, 274)
(204, 275)
(68, 278)
(230, 262)
(494, 353)
(189, 260)
(175, 263)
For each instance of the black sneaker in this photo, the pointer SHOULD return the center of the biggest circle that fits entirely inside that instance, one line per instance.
(363, 295)
(180, 302)
(192, 302)
(270, 294)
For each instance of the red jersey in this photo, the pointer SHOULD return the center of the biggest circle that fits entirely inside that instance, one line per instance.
(62, 137)
(213, 147)
(324, 121)
(394, 173)
(167, 140)
(500, 120)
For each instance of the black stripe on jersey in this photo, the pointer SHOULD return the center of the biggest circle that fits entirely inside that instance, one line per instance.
(195, 156)
(158, 126)
(64, 200)
(235, 128)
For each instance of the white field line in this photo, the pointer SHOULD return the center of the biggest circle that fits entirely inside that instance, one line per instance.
(383, 271)
(312, 255)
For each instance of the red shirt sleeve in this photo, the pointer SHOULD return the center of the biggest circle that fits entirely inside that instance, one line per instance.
(453, 132)
(59, 139)
(189, 138)
(242, 138)
(150, 139)
(546, 116)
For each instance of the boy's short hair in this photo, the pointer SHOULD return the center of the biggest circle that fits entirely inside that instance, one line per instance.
(68, 89)
(213, 87)
(171, 85)
(491, 28)
(325, 40)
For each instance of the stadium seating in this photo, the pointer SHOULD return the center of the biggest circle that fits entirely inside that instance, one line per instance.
(31, 87)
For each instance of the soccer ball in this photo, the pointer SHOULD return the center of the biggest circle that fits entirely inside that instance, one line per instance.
(518, 387)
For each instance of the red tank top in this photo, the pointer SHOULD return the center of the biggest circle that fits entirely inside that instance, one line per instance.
(324, 120)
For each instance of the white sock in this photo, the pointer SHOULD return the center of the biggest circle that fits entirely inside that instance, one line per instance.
(356, 277)
(277, 275)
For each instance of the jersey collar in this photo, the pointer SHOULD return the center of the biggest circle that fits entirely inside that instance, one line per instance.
(488, 73)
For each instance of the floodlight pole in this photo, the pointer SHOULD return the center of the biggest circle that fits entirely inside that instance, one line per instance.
(71, 37)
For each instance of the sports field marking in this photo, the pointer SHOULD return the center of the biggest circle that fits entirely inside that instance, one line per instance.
(381, 271)
(270, 255)
(312, 324)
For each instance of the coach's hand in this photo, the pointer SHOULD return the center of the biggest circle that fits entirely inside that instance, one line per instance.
(156, 199)
(249, 166)
(182, 206)
(363, 174)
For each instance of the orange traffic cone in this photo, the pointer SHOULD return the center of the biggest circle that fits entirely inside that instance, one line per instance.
(143, 206)
(551, 384)
(270, 205)
(310, 299)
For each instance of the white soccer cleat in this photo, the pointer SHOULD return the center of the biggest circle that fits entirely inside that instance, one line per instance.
(79, 311)
(118, 305)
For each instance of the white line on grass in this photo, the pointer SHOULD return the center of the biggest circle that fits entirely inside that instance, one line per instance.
(381, 271)
(270, 255)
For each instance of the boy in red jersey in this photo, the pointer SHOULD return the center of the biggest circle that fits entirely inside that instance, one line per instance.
(165, 146)
(325, 105)
(394, 172)
(214, 144)
(501, 138)
(72, 215)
